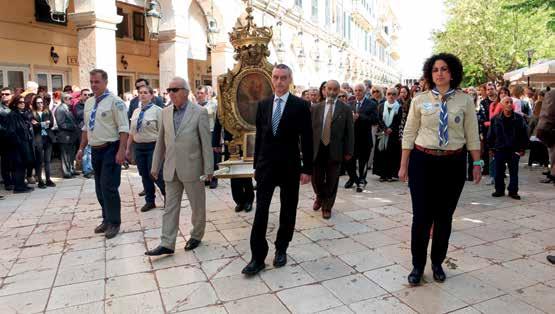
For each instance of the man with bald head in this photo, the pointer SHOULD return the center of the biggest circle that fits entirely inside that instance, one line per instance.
(184, 150)
(333, 142)
(365, 114)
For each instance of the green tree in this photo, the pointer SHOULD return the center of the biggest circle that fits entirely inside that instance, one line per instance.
(491, 37)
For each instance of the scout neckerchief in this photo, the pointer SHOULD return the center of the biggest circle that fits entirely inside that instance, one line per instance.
(142, 116)
(443, 134)
(97, 101)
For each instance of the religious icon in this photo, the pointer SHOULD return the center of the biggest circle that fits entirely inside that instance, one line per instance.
(252, 88)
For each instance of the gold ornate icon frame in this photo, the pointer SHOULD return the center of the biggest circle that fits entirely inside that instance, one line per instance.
(253, 69)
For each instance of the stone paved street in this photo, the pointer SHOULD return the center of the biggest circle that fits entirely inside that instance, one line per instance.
(357, 262)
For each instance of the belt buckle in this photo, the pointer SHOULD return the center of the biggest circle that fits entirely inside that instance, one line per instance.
(439, 152)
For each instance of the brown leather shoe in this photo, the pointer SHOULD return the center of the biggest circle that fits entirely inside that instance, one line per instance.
(326, 213)
(317, 204)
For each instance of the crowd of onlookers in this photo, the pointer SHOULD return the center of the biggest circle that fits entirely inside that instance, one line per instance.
(35, 125)
(492, 100)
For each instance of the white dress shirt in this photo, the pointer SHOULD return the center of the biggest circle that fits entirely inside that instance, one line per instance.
(284, 98)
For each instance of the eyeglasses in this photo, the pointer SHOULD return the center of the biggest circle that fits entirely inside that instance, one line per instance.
(342, 96)
(6, 94)
(391, 94)
(375, 91)
(87, 94)
(174, 89)
(21, 102)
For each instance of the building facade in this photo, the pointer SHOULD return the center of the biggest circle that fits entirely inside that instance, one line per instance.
(349, 40)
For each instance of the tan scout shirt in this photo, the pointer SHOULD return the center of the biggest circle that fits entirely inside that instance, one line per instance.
(150, 126)
(423, 122)
(110, 120)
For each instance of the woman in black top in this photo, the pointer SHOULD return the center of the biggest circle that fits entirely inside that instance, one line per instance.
(42, 121)
(20, 137)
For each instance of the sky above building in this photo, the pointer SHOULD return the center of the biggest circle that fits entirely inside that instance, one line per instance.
(418, 19)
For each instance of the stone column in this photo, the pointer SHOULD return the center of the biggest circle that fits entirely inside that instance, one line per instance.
(173, 50)
(221, 61)
(96, 25)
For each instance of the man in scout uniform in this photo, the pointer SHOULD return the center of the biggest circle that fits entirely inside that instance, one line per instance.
(106, 129)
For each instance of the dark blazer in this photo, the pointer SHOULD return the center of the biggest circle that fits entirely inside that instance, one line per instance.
(67, 126)
(20, 137)
(217, 134)
(282, 150)
(368, 116)
(342, 140)
(514, 138)
(38, 138)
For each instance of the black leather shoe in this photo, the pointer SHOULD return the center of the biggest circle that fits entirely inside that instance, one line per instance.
(359, 189)
(148, 206)
(238, 208)
(439, 274)
(159, 250)
(280, 259)
(191, 244)
(247, 207)
(213, 183)
(111, 231)
(9, 187)
(101, 228)
(25, 190)
(349, 184)
(415, 276)
(551, 259)
(50, 184)
(142, 193)
(514, 196)
(253, 268)
(41, 185)
(497, 194)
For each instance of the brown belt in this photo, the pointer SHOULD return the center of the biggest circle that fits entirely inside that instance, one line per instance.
(438, 152)
(101, 146)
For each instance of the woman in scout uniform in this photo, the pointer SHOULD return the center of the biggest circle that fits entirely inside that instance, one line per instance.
(143, 133)
(440, 127)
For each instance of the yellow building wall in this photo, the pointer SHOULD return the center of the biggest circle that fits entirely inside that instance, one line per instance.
(25, 42)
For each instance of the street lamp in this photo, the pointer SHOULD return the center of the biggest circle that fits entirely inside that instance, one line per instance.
(529, 53)
(153, 17)
(58, 9)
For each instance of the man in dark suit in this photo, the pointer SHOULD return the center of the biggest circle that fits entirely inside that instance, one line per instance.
(241, 188)
(281, 121)
(333, 138)
(67, 133)
(365, 114)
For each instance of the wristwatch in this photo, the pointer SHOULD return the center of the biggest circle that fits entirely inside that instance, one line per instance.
(479, 163)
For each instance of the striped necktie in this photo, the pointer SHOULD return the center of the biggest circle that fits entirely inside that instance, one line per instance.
(276, 117)
(443, 133)
(97, 101)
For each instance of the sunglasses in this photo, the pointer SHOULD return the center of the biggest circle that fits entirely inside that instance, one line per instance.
(6, 94)
(174, 89)
(374, 91)
(21, 102)
(391, 94)
(342, 96)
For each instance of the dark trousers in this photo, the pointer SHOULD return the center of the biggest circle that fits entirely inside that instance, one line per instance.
(67, 152)
(325, 177)
(107, 178)
(360, 158)
(435, 183)
(7, 167)
(242, 191)
(288, 182)
(143, 158)
(19, 169)
(43, 155)
(511, 159)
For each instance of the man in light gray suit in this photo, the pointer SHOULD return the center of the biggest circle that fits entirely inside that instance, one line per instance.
(184, 149)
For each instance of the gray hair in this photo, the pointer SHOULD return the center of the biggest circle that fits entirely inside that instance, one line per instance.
(360, 85)
(333, 81)
(393, 89)
(182, 82)
(102, 73)
(282, 66)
